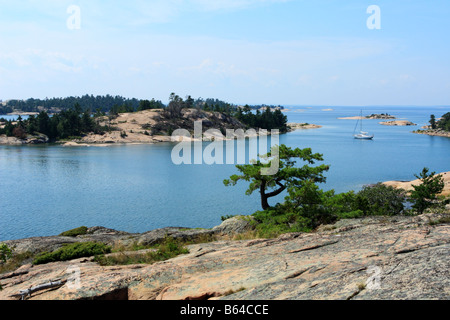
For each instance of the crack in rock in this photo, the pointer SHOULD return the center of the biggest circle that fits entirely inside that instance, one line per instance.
(329, 243)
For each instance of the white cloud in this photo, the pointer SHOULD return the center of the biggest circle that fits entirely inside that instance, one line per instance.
(108, 56)
(157, 64)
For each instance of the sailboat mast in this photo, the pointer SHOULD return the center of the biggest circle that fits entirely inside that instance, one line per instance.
(361, 122)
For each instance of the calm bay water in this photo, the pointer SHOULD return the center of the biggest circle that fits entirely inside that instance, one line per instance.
(45, 190)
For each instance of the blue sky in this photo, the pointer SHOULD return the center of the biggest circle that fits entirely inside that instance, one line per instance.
(243, 51)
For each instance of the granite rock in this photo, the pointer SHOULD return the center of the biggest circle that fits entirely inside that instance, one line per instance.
(380, 258)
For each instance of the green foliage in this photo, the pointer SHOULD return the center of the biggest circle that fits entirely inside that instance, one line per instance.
(309, 202)
(380, 199)
(5, 253)
(278, 220)
(110, 104)
(124, 108)
(88, 102)
(372, 200)
(306, 206)
(72, 122)
(342, 205)
(229, 216)
(215, 105)
(350, 214)
(72, 251)
(425, 193)
(150, 104)
(433, 121)
(5, 109)
(8, 128)
(441, 220)
(15, 261)
(267, 119)
(169, 249)
(175, 106)
(444, 123)
(288, 177)
(75, 232)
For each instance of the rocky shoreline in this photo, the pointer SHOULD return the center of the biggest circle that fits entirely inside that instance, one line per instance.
(150, 126)
(434, 132)
(29, 140)
(373, 258)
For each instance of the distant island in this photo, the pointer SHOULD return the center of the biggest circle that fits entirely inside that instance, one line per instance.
(148, 121)
(114, 104)
(380, 116)
(398, 123)
(302, 126)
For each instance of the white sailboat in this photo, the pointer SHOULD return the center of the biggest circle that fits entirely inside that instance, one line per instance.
(362, 135)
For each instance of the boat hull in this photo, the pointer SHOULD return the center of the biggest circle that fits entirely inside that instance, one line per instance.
(363, 137)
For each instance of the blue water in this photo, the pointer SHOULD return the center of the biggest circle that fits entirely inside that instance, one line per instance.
(45, 190)
(13, 117)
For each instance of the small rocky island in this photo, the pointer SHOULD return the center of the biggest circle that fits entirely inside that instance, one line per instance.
(302, 126)
(398, 123)
(379, 116)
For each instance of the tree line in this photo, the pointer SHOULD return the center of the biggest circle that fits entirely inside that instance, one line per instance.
(5, 109)
(108, 104)
(90, 102)
(267, 119)
(72, 122)
(77, 115)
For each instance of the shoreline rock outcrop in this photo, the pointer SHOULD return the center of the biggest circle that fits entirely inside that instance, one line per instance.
(398, 123)
(408, 185)
(302, 126)
(434, 132)
(29, 140)
(229, 227)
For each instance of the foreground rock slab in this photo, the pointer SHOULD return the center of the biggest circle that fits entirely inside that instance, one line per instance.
(371, 258)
